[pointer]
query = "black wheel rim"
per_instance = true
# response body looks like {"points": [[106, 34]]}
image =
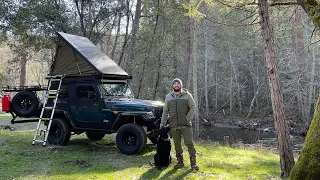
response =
{"points": [[55, 132], [25, 103], [129, 139]]}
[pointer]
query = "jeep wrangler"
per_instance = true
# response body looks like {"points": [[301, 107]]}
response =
{"points": [[98, 103]]}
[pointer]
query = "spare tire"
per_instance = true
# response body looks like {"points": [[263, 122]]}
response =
{"points": [[25, 104]]}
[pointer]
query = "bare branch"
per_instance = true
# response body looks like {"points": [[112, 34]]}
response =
{"points": [[284, 4], [234, 7], [231, 24]]}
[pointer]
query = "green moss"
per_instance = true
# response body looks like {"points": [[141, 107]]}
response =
{"points": [[308, 165], [313, 10]]}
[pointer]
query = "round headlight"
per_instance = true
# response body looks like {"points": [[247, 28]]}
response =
{"points": [[149, 108]]}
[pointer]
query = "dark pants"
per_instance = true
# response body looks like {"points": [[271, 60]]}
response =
{"points": [[187, 135]]}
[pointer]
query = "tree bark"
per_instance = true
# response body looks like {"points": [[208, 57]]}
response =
{"points": [[252, 102], [109, 36], [216, 85], [308, 165], [311, 85], [188, 53], [231, 91], [80, 9], [23, 73], [149, 50], [195, 79], [114, 47], [135, 29], [206, 72], [302, 65], [234, 72], [124, 45], [142, 76], [281, 125], [311, 7], [157, 76]]}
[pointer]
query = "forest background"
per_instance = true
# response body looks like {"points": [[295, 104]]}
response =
{"points": [[216, 51]]}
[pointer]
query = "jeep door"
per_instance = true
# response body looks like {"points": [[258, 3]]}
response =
{"points": [[86, 106]]}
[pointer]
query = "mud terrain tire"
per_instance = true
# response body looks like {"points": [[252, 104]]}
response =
{"points": [[25, 104], [59, 132], [131, 138]]}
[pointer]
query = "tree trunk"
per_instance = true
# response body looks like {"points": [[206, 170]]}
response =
{"points": [[109, 39], [216, 85], [195, 79], [149, 52], [142, 76], [311, 85], [135, 29], [308, 165], [257, 84], [114, 47], [231, 92], [234, 72], [157, 76], [302, 64], [80, 9], [23, 74], [206, 72], [281, 125], [124, 45], [188, 53], [89, 20], [252, 102], [296, 68]]}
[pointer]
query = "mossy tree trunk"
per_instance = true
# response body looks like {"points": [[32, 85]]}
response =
{"points": [[308, 165]]}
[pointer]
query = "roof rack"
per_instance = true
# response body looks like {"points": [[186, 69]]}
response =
{"points": [[23, 88]]}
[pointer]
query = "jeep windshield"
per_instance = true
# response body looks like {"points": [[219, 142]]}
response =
{"points": [[116, 89]]}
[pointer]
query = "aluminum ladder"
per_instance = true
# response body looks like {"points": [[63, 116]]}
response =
{"points": [[50, 94]]}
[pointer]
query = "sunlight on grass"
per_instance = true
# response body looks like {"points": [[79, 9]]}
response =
{"points": [[85, 159], [5, 115]]}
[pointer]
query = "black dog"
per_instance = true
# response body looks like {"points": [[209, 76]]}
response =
{"points": [[162, 158]]}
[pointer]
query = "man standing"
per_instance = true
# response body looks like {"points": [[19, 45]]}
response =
{"points": [[178, 111]]}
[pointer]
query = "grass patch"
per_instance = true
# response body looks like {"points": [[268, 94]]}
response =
{"points": [[85, 159]]}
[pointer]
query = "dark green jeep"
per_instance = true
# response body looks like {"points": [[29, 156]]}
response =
{"points": [[95, 98]]}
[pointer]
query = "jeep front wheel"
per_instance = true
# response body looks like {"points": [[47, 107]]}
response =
{"points": [[131, 138], [59, 132], [95, 135]]}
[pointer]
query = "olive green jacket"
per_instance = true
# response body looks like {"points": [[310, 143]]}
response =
{"points": [[178, 110]]}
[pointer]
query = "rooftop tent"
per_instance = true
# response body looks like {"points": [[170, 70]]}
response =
{"points": [[78, 56]]}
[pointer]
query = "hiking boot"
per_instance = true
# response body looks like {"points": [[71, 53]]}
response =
{"points": [[193, 163], [180, 162]]}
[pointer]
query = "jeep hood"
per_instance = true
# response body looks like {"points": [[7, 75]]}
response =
{"points": [[131, 104]]}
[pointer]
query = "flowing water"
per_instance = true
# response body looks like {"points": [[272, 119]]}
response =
{"points": [[246, 136]]}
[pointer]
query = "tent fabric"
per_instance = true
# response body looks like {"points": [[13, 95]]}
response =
{"points": [[78, 56]]}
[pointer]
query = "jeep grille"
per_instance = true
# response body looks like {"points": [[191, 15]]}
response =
{"points": [[157, 111]]}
